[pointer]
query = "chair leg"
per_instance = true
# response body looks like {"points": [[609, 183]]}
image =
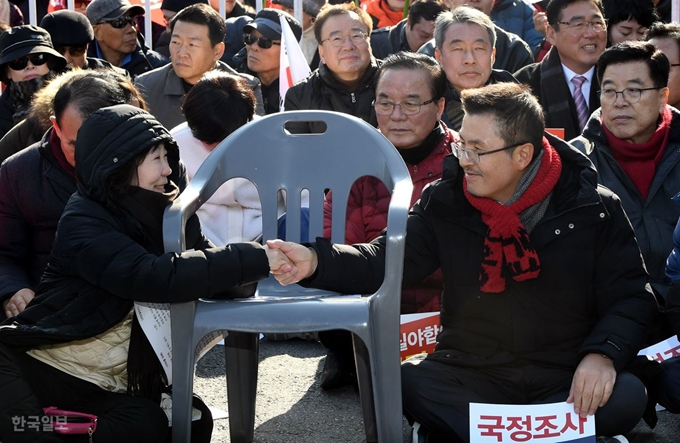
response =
{"points": [[182, 372], [241, 353], [387, 388], [363, 368]]}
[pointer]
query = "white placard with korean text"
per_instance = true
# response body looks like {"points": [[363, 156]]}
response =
{"points": [[663, 350], [549, 423], [154, 318]]}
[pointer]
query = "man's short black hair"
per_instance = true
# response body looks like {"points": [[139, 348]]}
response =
{"points": [[202, 14], [635, 51], [554, 10], [427, 10], [417, 61], [217, 105], [515, 110]]}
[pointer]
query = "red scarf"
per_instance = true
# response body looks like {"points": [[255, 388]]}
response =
{"points": [[507, 248], [639, 162], [55, 146]]}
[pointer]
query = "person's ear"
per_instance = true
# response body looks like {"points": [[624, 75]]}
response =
{"points": [[55, 125], [522, 155], [218, 51], [97, 31], [441, 105], [663, 99], [550, 34], [321, 55]]}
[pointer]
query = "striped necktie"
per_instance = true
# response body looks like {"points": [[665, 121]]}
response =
{"points": [[580, 100]]}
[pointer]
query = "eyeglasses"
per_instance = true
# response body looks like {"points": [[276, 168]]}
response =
{"points": [[407, 108], [75, 51], [38, 59], [582, 25], [458, 149], [262, 42], [121, 22], [631, 95], [357, 38], [675, 64]]}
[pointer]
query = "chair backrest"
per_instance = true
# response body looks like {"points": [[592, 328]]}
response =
{"points": [[275, 160]]}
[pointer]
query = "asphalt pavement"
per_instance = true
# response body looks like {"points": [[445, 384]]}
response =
{"points": [[291, 408]]}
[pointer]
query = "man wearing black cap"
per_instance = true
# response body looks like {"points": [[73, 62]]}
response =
{"points": [[261, 56], [116, 39], [196, 46], [27, 61], [71, 34]]}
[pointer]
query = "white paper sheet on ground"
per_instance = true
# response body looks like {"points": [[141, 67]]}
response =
{"points": [[166, 406], [154, 318], [549, 423], [218, 413]]}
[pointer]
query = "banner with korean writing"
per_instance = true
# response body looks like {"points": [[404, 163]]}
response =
{"points": [[549, 423], [418, 333]]}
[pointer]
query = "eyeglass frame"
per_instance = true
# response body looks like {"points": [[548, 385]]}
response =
{"points": [[260, 41], [74, 50], [121, 22], [44, 58], [455, 147], [622, 92], [394, 106], [342, 38], [586, 23]]}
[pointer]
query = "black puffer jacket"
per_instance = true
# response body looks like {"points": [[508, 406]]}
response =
{"points": [[591, 295], [389, 40], [322, 91], [100, 262], [33, 192], [653, 218]]}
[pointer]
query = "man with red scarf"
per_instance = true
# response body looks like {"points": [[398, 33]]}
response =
{"points": [[545, 293], [634, 142]]}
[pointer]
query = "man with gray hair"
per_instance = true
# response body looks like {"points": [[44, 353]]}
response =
{"points": [[465, 42], [512, 53], [115, 37]]}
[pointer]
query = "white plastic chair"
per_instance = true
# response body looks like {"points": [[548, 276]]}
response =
{"points": [[273, 159]]}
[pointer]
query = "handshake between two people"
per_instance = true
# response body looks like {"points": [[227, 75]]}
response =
{"points": [[290, 262]]}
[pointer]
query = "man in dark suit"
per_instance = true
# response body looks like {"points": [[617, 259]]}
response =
{"points": [[565, 81]]}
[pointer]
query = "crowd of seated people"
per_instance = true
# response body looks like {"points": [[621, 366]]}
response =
{"points": [[557, 120]]}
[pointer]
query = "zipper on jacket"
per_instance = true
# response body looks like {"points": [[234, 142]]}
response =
{"points": [[354, 99]]}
